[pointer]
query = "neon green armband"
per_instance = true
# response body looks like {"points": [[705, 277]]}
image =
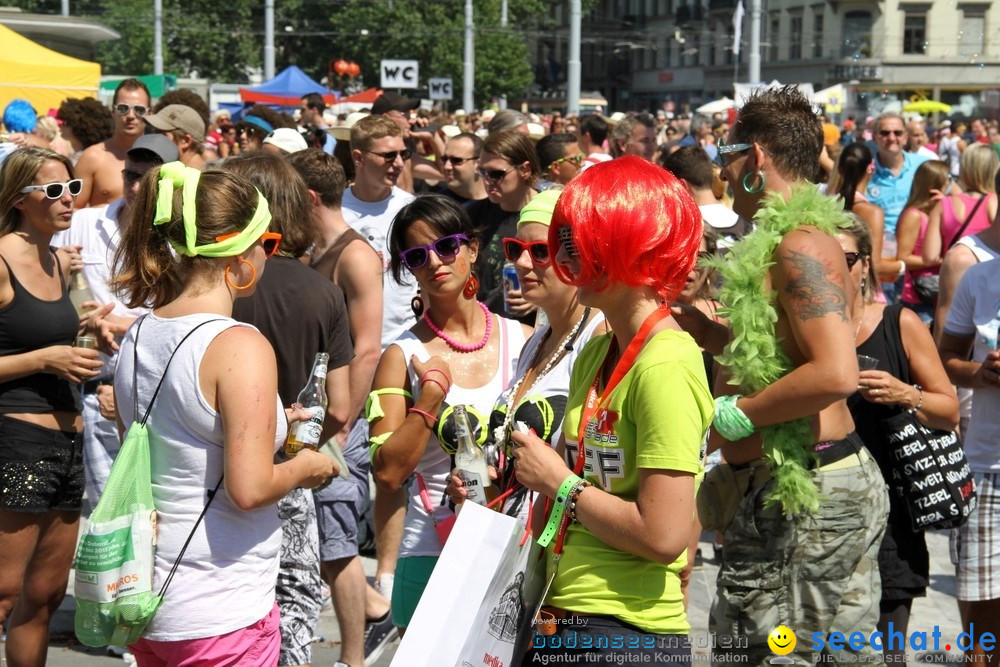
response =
{"points": [[377, 441], [373, 408]]}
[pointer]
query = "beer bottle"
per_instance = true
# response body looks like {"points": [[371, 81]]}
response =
{"points": [[79, 292], [313, 400], [471, 461]]}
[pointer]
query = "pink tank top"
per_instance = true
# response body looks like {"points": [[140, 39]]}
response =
{"points": [[950, 224], [909, 294]]}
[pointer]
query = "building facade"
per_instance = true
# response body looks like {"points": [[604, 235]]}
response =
{"points": [[644, 54]]}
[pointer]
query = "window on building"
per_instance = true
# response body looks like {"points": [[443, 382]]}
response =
{"points": [[857, 35], [711, 42], [795, 38], [971, 39], [817, 40], [915, 33], [772, 35]]}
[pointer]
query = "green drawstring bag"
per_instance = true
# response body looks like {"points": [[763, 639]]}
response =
{"points": [[114, 559]]}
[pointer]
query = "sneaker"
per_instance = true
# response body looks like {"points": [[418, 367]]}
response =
{"points": [[378, 635]]}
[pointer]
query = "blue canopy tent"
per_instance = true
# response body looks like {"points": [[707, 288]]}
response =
{"points": [[286, 89]]}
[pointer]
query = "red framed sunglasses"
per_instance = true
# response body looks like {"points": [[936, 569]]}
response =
{"points": [[270, 241], [538, 250]]}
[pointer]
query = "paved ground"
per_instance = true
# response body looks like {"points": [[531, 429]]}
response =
{"points": [[938, 608]]}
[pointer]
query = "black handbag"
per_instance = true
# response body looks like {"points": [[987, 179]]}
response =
{"points": [[927, 287], [929, 469]]}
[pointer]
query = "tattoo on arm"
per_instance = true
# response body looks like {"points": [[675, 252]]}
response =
{"points": [[811, 289]]}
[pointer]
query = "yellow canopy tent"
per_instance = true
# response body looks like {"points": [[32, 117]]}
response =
{"points": [[45, 78]]}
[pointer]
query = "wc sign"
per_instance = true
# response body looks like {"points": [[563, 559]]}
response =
{"points": [[400, 73], [439, 89]]}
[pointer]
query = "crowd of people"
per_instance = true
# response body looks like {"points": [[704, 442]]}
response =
{"points": [[649, 296]]}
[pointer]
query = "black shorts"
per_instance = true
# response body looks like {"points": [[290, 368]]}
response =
{"points": [[41, 469]]}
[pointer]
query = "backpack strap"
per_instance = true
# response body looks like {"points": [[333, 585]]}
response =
{"points": [[166, 368], [145, 417]]}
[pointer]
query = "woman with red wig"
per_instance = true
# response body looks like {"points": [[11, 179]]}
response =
{"points": [[626, 234]]}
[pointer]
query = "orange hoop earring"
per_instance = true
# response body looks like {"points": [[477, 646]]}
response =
{"points": [[253, 277]]}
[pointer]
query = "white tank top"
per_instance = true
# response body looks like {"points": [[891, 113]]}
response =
{"points": [[983, 253], [225, 581], [419, 536]]}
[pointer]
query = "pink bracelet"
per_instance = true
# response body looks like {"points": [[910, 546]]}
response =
{"points": [[443, 388], [435, 370], [425, 414]]}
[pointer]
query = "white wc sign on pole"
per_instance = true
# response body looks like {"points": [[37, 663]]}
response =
{"points": [[440, 88], [400, 73]]}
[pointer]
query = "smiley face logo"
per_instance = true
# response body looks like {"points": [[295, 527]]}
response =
{"points": [[781, 641]]}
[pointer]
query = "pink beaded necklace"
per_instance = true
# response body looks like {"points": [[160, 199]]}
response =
{"points": [[459, 347]]}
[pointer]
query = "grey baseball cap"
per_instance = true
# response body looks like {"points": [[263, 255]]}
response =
{"points": [[157, 144]]}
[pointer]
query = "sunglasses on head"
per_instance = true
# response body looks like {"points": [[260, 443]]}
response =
{"points": [[886, 133], [124, 109], [852, 259], [269, 241], [457, 161], [445, 247], [56, 190], [390, 156], [538, 250]]}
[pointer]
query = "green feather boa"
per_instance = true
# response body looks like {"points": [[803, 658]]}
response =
{"points": [[754, 357]]}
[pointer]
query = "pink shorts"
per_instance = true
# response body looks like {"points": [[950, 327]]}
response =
{"points": [[256, 645]]}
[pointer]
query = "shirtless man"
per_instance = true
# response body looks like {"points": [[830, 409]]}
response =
{"points": [[100, 166], [781, 563]]}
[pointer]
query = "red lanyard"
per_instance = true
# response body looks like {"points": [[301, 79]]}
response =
{"points": [[594, 401], [623, 366]]}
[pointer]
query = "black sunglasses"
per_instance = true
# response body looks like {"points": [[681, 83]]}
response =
{"points": [[246, 129], [457, 161], [391, 156], [445, 247], [130, 176], [886, 133], [852, 259], [539, 250]]}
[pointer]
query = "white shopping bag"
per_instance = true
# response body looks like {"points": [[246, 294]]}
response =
{"points": [[449, 611]]}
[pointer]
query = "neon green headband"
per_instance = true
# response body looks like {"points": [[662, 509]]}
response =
{"points": [[174, 174]]}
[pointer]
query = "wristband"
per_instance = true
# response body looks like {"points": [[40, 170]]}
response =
{"points": [[574, 496], [558, 507], [427, 379], [902, 269], [435, 370], [920, 400], [425, 414], [730, 421]]}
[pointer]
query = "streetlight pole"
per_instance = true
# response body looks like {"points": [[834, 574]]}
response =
{"points": [[573, 71], [754, 59], [503, 24], [268, 40], [65, 7], [469, 70], [157, 36]]}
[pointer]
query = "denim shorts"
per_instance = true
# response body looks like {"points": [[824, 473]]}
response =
{"points": [[41, 469]]}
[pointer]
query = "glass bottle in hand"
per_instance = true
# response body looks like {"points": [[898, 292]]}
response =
{"points": [[470, 461], [80, 293], [313, 400]]}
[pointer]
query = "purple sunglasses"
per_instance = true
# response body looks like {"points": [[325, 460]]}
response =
{"points": [[445, 247]]}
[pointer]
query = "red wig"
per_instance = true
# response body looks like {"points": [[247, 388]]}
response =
{"points": [[633, 223]]}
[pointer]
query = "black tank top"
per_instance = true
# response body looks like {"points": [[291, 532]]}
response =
{"points": [[26, 324]]}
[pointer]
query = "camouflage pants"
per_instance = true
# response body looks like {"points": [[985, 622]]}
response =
{"points": [[813, 574]]}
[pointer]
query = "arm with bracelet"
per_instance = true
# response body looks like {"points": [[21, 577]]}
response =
{"points": [[400, 426]]}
